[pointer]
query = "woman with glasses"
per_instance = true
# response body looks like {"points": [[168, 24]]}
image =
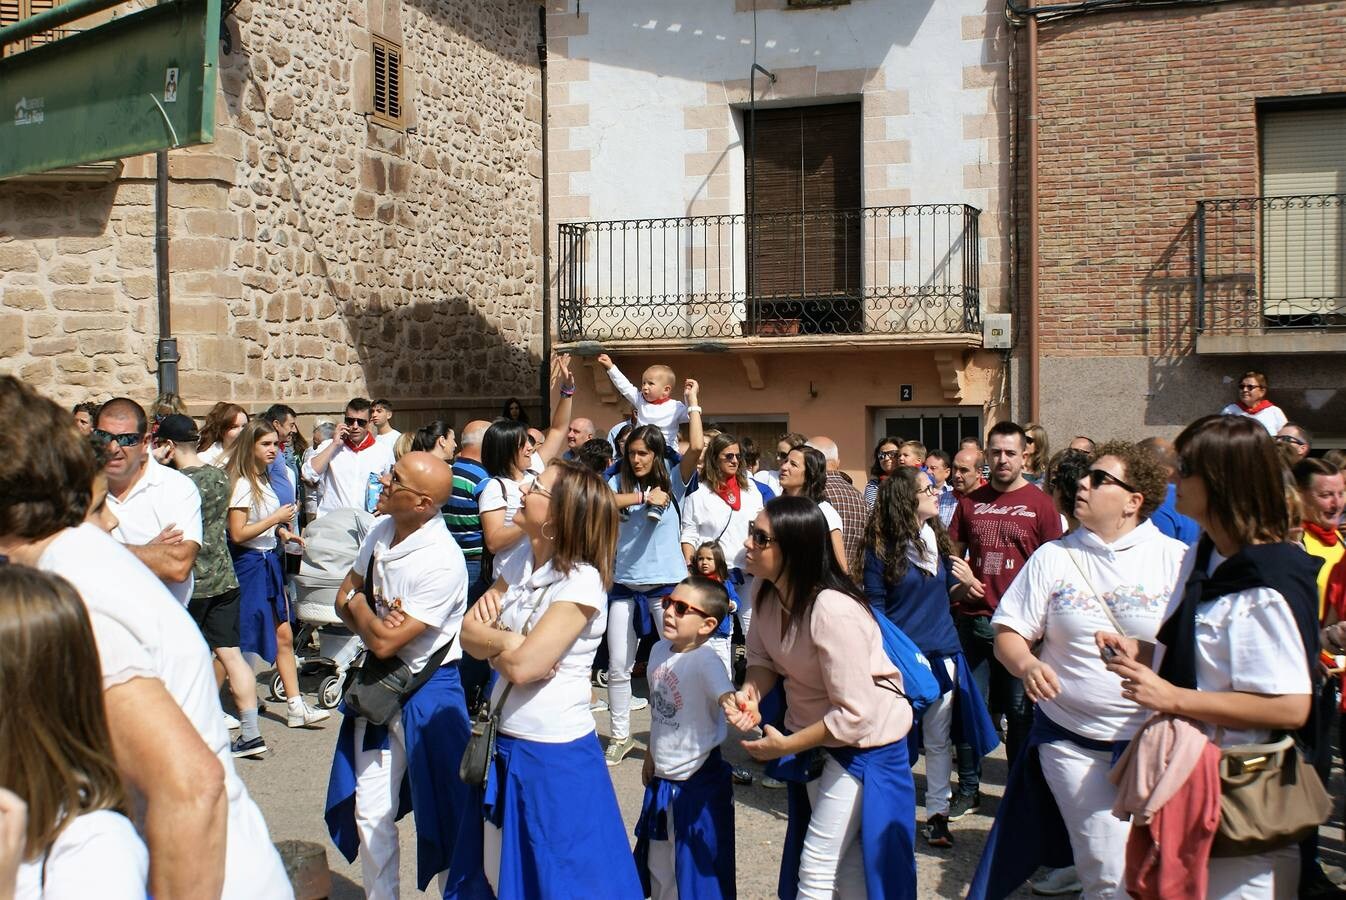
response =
{"points": [[1241, 632], [1116, 571], [550, 825], [852, 800], [908, 570], [721, 510], [804, 474], [886, 462], [649, 559], [1252, 402]]}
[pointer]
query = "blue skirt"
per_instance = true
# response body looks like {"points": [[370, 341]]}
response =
{"points": [[262, 606], [435, 726], [703, 829], [563, 835]]}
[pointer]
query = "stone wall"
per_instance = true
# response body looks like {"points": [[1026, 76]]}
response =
{"points": [[315, 254]]}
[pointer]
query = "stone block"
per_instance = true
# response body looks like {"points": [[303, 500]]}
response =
{"points": [[202, 167], [209, 386], [190, 254], [194, 316], [95, 299], [221, 354], [92, 343], [140, 287], [39, 324], [52, 346], [70, 246], [11, 335], [18, 258], [69, 272], [74, 322], [24, 298]]}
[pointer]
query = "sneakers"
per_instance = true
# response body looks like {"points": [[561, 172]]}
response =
{"points": [[962, 804], [304, 716], [599, 705], [1057, 882], [618, 749], [231, 723], [937, 831], [741, 775], [774, 784], [639, 703], [241, 748]]}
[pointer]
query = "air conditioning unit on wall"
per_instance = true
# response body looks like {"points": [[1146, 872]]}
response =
{"points": [[995, 331]]}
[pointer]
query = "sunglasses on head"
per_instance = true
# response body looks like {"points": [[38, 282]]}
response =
{"points": [[129, 439], [1099, 477], [354, 420], [760, 538], [681, 608]]}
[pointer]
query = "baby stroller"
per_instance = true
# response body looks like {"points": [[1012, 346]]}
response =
{"points": [[332, 540]]}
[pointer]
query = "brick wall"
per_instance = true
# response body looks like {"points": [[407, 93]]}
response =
{"points": [[1142, 113]]}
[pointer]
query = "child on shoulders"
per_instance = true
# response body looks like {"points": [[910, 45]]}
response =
{"points": [[654, 403], [685, 833]]}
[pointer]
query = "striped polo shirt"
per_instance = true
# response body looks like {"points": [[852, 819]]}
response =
{"points": [[460, 513]]}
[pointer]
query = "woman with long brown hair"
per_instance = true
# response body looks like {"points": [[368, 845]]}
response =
{"points": [[220, 432], [55, 748], [1036, 453], [550, 824]]}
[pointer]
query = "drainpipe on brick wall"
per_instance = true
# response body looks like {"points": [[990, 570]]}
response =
{"points": [[1034, 375], [168, 345], [545, 385]]}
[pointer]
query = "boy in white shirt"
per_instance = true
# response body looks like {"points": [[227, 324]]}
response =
{"points": [[685, 834], [654, 403]]}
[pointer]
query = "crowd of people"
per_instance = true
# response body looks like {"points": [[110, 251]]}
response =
{"points": [[1128, 617]]}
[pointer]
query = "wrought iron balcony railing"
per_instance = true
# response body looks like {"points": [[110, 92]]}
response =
{"points": [[890, 270], [1267, 263]]}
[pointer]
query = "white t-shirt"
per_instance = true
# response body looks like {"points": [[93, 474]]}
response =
{"points": [[346, 477], [507, 494], [424, 576], [770, 478], [390, 438], [161, 497], [154, 637], [666, 416], [1271, 418], [1246, 641], [97, 855], [831, 515], [213, 455], [554, 710], [1137, 575], [686, 722], [705, 517], [242, 497]]}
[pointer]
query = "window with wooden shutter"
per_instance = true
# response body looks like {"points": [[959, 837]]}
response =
{"points": [[12, 11], [387, 100]]}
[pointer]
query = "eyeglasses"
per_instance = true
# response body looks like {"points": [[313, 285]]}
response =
{"points": [[535, 488], [782, 456], [730, 457], [681, 608], [129, 439], [1291, 439], [760, 538], [1097, 478], [395, 483], [887, 454], [355, 421], [929, 490], [1250, 387]]}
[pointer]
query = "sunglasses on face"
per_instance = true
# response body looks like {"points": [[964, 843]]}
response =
{"points": [[129, 439], [355, 422], [681, 608], [1291, 439], [782, 456], [1098, 477], [887, 454], [730, 457], [1250, 387], [760, 538], [396, 483]]}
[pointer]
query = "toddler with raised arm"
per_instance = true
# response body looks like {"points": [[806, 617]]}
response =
{"points": [[654, 403]]}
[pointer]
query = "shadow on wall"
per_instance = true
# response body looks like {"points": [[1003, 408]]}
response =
{"points": [[34, 211]]}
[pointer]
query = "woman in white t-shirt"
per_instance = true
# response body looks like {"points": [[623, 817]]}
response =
{"points": [[56, 752], [256, 520], [1116, 567], [224, 423], [551, 826], [1241, 631], [803, 473]]}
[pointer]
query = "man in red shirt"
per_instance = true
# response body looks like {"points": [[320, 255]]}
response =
{"points": [[999, 524]]}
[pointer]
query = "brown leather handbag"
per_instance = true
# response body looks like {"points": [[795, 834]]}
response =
{"points": [[1269, 798]]}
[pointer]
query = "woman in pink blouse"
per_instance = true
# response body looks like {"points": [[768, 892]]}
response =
{"points": [[852, 801]]}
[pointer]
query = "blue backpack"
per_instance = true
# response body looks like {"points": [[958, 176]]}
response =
{"points": [[919, 686]]}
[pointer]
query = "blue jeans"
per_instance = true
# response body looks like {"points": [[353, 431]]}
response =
{"points": [[1004, 696]]}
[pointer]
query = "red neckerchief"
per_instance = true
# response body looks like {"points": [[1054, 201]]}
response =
{"points": [[728, 492], [660, 400], [1256, 408], [364, 445], [1328, 537]]}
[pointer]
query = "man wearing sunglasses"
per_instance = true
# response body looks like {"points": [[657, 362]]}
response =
{"points": [[343, 464], [1297, 438], [158, 509]]}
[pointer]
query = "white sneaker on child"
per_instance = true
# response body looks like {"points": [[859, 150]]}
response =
{"points": [[301, 715]]}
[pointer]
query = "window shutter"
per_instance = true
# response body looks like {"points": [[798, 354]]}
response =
{"points": [[387, 81]]}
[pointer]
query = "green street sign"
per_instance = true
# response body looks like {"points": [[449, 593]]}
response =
{"points": [[139, 83]]}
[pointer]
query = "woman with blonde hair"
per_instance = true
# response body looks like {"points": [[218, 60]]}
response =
{"points": [[550, 824], [256, 520], [220, 433], [1036, 453], [55, 748]]}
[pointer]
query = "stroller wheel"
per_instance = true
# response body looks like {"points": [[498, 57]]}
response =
{"points": [[277, 689], [329, 692]]}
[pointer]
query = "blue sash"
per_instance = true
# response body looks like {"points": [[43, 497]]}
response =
{"points": [[435, 726], [887, 820], [563, 835], [703, 829], [261, 589], [643, 621], [1033, 832], [972, 723]]}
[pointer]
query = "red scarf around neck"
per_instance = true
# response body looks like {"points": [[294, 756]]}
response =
{"points": [[728, 492], [364, 445], [661, 400], [1256, 408], [1328, 537]]}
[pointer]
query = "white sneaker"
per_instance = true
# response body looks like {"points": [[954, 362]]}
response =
{"points": [[639, 703], [231, 723], [304, 715], [1057, 882], [599, 705]]}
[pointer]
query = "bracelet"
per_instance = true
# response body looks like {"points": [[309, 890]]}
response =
{"points": [[567, 392], [694, 409]]}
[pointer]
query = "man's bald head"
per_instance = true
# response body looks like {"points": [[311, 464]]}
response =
{"points": [[429, 475], [581, 431], [473, 433], [828, 448], [1162, 451]]}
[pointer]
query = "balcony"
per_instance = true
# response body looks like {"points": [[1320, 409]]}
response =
{"points": [[1271, 274], [837, 276]]}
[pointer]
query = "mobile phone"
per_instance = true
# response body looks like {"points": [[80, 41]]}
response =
{"points": [[1109, 653], [755, 733]]}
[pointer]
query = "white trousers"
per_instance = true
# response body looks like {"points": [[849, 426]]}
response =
{"points": [[723, 649], [622, 645], [937, 738], [663, 873], [745, 602], [1078, 778], [832, 864], [1266, 876]]}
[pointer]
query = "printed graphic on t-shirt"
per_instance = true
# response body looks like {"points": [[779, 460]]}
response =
{"points": [[665, 697], [1125, 601]]}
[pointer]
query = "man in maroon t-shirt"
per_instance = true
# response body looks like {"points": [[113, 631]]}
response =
{"points": [[1000, 524]]}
